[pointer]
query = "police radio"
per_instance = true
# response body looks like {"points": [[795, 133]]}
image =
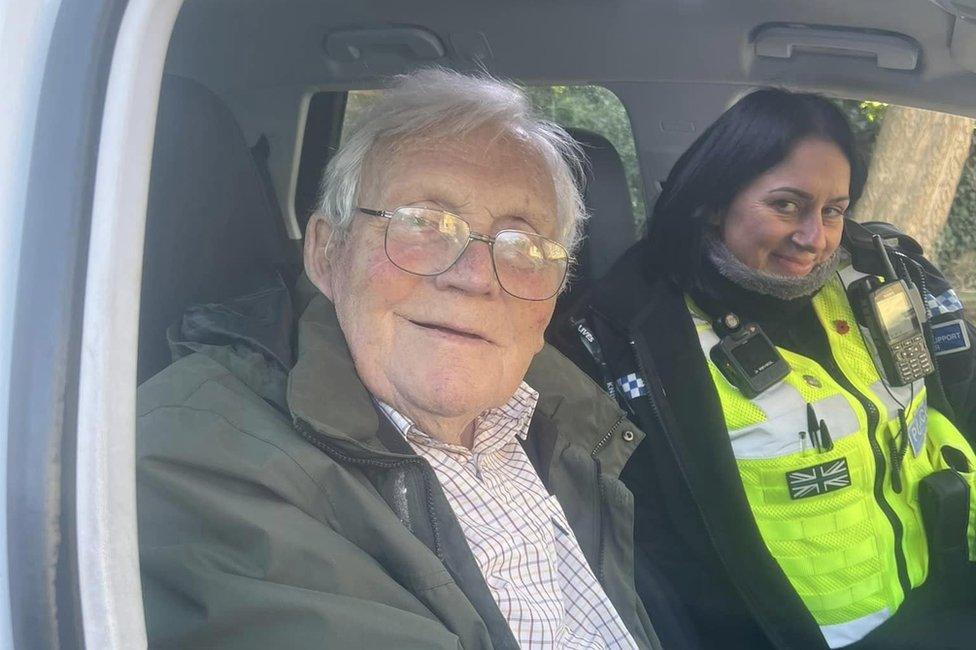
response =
{"points": [[891, 313], [746, 356]]}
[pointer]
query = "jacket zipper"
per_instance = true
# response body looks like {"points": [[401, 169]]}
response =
{"points": [[601, 551], [309, 432], [650, 398], [880, 468], [606, 438]]}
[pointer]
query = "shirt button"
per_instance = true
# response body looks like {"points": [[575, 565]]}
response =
{"points": [[628, 435]]}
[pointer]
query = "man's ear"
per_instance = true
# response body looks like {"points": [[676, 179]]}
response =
{"points": [[318, 253]]}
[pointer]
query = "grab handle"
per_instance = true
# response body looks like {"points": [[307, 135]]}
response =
{"points": [[891, 51], [410, 42]]}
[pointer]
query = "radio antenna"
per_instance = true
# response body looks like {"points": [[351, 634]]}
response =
{"points": [[883, 253]]}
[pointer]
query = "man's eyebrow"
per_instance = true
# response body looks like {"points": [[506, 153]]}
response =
{"points": [[537, 222], [440, 200], [527, 220]]}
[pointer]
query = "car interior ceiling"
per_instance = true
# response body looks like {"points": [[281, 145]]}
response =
{"points": [[239, 75]]}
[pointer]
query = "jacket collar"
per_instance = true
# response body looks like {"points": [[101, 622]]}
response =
{"points": [[324, 389], [259, 321], [583, 414]]}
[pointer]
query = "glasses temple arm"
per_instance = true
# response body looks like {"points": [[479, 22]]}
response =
{"points": [[376, 213]]}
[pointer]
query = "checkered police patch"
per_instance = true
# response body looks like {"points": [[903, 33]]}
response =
{"points": [[631, 386], [946, 303], [819, 479]]}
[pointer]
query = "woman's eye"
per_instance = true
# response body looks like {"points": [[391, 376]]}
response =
{"points": [[833, 212], [784, 206]]}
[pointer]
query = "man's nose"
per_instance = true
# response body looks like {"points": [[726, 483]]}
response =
{"points": [[473, 272], [810, 235]]}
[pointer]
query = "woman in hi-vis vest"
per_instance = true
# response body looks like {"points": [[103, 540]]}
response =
{"points": [[806, 387]]}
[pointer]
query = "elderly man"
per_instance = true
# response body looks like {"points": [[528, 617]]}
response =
{"points": [[410, 486]]}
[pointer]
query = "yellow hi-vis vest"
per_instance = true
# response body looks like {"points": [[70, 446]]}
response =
{"points": [[849, 543]]}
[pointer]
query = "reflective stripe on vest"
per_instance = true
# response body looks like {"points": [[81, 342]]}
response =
{"points": [[837, 636], [830, 536]]}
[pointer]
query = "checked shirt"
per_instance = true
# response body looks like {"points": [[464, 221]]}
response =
{"points": [[519, 534]]}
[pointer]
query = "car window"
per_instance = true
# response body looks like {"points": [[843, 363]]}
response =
{"points": [[922, 178], [593, 108]]}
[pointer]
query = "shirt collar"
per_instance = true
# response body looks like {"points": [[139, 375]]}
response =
{"points": [[493, 429]]}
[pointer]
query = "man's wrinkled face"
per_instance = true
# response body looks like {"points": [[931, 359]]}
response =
{"points": [[453, 344]]}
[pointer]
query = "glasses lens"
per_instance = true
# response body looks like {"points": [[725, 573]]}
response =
{"points": [[424, 241], [529, 266]]}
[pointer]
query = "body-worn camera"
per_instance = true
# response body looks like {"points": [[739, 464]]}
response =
{"points": [[747, 357], [890, 312]]}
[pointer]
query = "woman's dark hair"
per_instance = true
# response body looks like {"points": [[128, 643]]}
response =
{"points": [[750, 138]]}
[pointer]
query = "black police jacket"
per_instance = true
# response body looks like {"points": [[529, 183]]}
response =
{"points": [[694, 524]]}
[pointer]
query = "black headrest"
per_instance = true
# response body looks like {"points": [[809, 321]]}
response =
{"points": [[211, 220], [610, 230], [607, 196]]}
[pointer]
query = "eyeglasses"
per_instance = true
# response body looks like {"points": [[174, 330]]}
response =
{"points": [[427, 242]]}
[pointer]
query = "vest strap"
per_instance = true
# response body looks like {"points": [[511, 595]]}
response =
{"points": [[808, 527], [812, 565], [855, 592]]}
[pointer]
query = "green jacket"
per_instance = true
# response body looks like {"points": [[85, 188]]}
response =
{"points": [[277, 509]]}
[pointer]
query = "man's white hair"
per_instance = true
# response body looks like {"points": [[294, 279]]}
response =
{"points": [[439, 103]]}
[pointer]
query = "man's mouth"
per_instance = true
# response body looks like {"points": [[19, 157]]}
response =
{"points": [[443, 328]]}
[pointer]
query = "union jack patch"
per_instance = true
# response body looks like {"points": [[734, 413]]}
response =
{"points": [[819, 479]]}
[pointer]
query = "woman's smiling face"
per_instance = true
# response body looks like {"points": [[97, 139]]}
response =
{"points": [[790, 218]]}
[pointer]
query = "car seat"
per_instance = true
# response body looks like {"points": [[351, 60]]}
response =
{"points": [[213, 225], [610, 229]]}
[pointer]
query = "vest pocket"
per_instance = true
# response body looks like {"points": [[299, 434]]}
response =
{"points": [[947, 498], [946, 504]]}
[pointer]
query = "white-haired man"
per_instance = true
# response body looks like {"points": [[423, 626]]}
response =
{"points": [[415, 484]]}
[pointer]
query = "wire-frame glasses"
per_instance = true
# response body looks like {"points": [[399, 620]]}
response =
{"points": [[427, 241]]}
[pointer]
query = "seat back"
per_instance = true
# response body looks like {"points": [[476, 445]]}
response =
{"points": [[212, 224], [611, 229]]}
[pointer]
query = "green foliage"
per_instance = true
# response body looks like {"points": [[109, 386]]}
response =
{"points": [[872, 111], [596, 109], [955, 250], [865, 118], [357, 101]]}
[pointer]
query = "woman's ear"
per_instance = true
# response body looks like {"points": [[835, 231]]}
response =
{"points": [[713, 218], [318, 253], [708, 216]]}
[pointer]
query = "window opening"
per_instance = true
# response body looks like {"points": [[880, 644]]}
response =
{"points": [[922, 178]]}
